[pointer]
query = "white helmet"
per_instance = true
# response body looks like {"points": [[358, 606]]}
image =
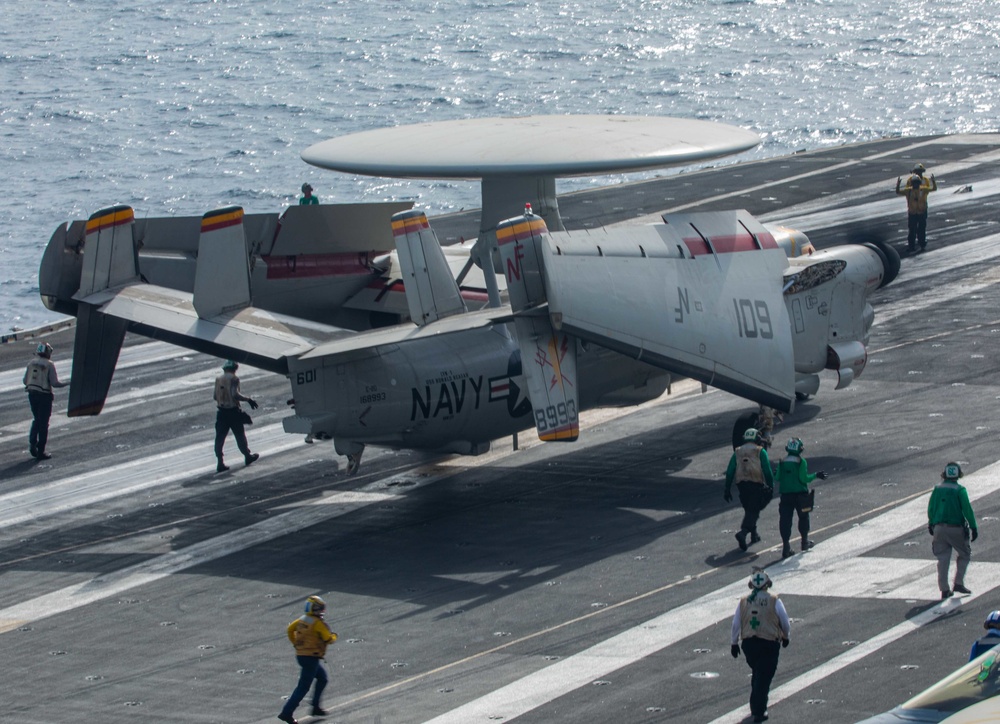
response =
{"points": [[751, 434], [44, 350], [952, 471], [759, 580]]}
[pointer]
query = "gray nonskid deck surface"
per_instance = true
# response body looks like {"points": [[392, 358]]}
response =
{"points": [[136, 582]]}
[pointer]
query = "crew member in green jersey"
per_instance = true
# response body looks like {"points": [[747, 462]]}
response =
{"points": [[953, 524]]}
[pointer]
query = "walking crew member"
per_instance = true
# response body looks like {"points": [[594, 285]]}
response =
{"points": [[310, 635], [39, 379], [916, 191], [751, 469], [230, 416], [793, 484], [950, 520], [992, 637], [762, 624]]}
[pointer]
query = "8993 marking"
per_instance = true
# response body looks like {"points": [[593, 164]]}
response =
{"points": [[555, 416]]}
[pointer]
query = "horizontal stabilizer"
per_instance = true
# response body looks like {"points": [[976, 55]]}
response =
{"points": [[255, 336], [109, 252], [431, 291], [95, 353], [222, 275]]}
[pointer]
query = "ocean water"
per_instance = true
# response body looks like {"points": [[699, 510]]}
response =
{"points": [[177, 108]]}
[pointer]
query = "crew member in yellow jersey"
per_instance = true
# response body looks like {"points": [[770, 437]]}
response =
{"points": [[762, 624], [310, 635], [916, 190]]}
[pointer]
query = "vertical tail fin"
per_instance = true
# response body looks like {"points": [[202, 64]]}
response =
{"points": [[109, 260], [431, 290], [548, 356], [222, 275]]}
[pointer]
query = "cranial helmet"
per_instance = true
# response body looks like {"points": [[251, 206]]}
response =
{"points": [[759, 580], [306, 187], [794, 446], [315, 606], [230, 365], [952, 471], [919, 168], [914, 181], [751, 434], [44, 350], [993, 620]]}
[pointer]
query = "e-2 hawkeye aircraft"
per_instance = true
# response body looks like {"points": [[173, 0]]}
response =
{"points": [[596, 317]]}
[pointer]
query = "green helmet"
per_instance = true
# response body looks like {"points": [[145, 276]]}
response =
{"points": [[794, 446], [229, 365], [952, 471], [751, 434]]}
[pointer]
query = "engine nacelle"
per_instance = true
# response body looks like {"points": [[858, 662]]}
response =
{"points": [[827, 299]]}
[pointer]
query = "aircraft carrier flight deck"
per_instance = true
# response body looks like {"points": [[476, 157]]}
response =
{"points": [[592, 581]]}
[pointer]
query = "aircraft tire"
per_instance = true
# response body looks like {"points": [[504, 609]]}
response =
{"points": [[743, 423]]}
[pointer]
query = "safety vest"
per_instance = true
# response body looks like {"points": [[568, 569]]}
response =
{"points": [[748, 463], [758, 617], [224, 386], [36, 377], [310, 635]]}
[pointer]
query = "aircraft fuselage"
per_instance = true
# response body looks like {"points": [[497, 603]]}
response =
{"points": [[466, 388]]}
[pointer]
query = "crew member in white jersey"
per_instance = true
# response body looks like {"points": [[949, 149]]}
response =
{"points": [[39, 379], [762, 624]]}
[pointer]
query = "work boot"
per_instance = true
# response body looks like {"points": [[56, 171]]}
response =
{"points": [[754, 538], [42, 455], [741, 540], [319, 711], [34, 451], [288, 719], [786, 551], [960, 588], [221, 467], [807, 544], [946, 594], [251, 458]]}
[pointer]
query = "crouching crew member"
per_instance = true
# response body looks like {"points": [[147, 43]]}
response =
{"points": [[310, 635], [762, 624], [793, 484], [951, 521], [992, 637]]}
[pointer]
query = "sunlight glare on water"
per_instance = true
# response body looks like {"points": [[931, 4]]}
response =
{"points": [[178, 108]]}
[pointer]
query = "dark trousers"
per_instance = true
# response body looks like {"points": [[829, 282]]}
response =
{"points": [[793, 503], [916, 226], [230, 419], [762, 657], [312, 668], [753, 498], [41, 411]]}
